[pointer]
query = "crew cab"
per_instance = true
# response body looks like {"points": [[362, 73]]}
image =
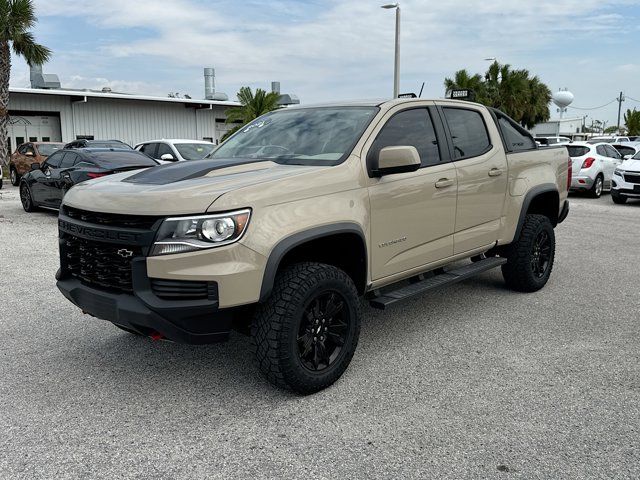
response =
{"points": [[304, 212]]}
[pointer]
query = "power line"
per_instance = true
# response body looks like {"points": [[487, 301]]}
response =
{"points": [[633, 99], [595, 108]]}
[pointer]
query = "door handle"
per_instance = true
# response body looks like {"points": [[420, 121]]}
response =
{"points": [[444, 182], [495, 172]]}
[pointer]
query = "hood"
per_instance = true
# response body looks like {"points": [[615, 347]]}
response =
{"points": [[631, 165], [176, 188]]}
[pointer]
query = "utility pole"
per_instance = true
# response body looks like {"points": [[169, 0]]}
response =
{"points": [[620, 99]]}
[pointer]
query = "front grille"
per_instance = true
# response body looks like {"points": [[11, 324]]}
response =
{"points": [[111, 219], [183, 289], [632, 178], [99, 264]]}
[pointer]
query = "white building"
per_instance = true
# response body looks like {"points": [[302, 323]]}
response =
{"points": [[63, 115], [563, 127]]}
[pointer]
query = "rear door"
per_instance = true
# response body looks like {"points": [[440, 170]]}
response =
{"points": [[412, 214], [481, 167]]}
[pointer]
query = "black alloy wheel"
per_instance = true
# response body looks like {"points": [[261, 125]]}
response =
{"points": [[541, 254], [323, 330], [25, 198]]}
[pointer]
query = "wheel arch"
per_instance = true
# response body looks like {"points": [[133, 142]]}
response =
{"points": [[319, 244], [542, 199]]}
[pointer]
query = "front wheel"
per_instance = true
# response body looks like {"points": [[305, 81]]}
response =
{"points": [[306, 333], [26, 199], [530, 257]]}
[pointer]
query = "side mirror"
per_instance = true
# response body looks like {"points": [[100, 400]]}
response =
{"points": [[167, 157], [400, 159], [627, 157], [35, 166]]}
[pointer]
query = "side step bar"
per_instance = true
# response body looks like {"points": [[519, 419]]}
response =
{"points": [[438, 280]]}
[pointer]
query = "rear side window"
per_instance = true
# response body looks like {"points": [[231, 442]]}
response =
{"points": [[410, 128], [601, 151], [516, 138], [468, 132], [577, 150]]}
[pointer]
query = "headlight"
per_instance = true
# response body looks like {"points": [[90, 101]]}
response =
{"points": [[188, 234], [618, 172]]}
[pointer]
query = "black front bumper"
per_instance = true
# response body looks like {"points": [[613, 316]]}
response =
{"points": [[183, 321]]}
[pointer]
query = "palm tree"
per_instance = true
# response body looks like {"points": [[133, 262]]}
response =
{"points": [[632, 121], [16, 18], [252, 107], [463, 80]]}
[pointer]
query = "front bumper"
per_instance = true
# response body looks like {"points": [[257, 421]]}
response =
{"points": [[183, 321], [624, 189]]}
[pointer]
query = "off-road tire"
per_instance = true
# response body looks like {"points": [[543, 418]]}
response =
{"points": [[27, 199], [277, 321], [596, 191], [14, 177], [618, 199], [518, 272]]}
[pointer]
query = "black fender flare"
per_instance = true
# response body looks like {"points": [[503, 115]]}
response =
{"points": [[528, 198], [289, 243]]}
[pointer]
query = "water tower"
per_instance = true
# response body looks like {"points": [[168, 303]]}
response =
{"points": [[562, 98]]}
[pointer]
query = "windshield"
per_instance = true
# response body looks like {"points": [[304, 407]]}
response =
{"points": [[194, 151], [306, 136], [47, 149]]}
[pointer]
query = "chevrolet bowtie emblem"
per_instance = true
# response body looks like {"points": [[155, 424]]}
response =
{"points": [[124, 253]]}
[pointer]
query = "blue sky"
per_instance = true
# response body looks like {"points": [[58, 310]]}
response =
{"points": [[333, 50]]}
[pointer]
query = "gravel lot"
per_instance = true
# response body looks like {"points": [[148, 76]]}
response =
{"points": [[472, 381]]}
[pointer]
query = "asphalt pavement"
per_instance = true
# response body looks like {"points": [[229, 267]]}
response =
{"points": [[471, 381]]}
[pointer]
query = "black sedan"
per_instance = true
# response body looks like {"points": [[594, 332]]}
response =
{"points": [[45, 185]]}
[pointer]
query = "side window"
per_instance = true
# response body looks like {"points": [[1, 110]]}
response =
{"points": [[68, 160], [149, 149], [601, 151], [164, 148], [468, 132], [54, 160], [611, 152], [515, 137], [413, 128], [22, 149]]}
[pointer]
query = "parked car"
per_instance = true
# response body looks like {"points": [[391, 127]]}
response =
{"points": [[611, 139], [546, 141], [302, 212], [626, 180], [593, 166], [176, 150], [82, 143], [45, 185], [634, 139], [27, 154], [627, 149]]}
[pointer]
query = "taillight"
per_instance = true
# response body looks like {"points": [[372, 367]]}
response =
{"points": [[96, 174], [569, 173], [588, 162]]}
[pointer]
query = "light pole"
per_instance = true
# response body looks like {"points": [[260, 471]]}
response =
{"points": [[396, 63]]}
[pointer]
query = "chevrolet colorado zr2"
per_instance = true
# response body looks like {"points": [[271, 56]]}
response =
{"points": [[304, 212]]}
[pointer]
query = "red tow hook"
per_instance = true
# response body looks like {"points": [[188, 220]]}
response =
{"points": [[155, 336]]}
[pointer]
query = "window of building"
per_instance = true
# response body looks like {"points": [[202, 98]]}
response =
{"points": [[19, 140], [411, 128], [33, 139], [468, 132], [46, 139], [84, 137]]}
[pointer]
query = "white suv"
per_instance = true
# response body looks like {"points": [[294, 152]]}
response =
{"points": [[176, 150], [626, 180], [593, 166]]}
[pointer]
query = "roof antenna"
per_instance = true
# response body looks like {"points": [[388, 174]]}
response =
{"points": [[420, 94]]}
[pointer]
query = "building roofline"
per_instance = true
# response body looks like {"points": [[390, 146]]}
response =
{"points": [[120, 96]]}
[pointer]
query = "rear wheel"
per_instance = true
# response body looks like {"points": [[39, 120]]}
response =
{"points": [[14, 177], [26, 199], [598, 185], [619, 199], [306, 333], [530, 257]]}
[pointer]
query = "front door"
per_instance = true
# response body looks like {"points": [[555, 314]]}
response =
{"points": [[412, 214], [482, 176]]}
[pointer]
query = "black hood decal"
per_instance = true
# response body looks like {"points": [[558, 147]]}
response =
{"points": [[179, 171]]}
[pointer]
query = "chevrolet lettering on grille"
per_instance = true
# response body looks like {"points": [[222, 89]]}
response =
{"points": [[97, 233]]}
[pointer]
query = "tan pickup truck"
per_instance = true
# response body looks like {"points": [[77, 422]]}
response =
{"points": [[303, 213]]}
